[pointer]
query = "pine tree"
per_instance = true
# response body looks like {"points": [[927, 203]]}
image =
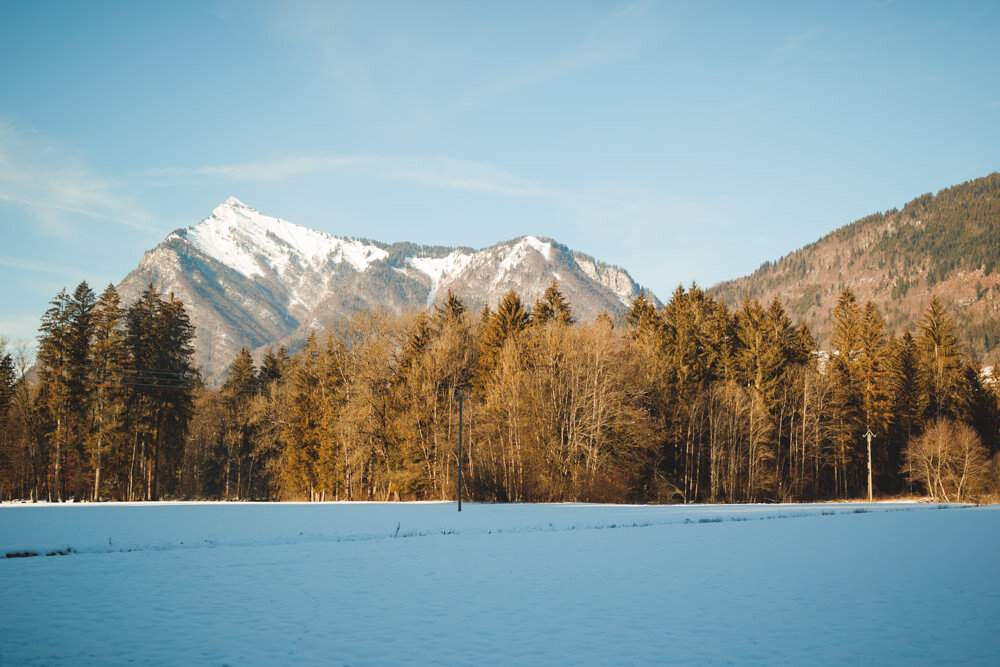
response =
{"points": [[417, 340], [301, 435], [847, 399], [907, 398], [241, 376], [8, 375], [977, 405], [874, 368], [552, 306], [240, 385], [56, 378], [272, 366], [452, 311], [940, 359], [642, 313], [106, 378], [510, 320], [159, 338], [873, 365]]}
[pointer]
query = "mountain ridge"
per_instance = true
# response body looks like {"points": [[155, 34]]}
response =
{"points": [[252, 280], [945, 244]]}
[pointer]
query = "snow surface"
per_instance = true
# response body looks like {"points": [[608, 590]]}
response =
{"points": [[245, 240], [440, 268], [394, 583], [515, 255]]}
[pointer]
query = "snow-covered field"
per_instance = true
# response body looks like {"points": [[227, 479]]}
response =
{"points": [[389, 583]]}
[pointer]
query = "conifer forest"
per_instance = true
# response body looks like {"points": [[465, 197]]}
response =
{"points": [[688, 402]]}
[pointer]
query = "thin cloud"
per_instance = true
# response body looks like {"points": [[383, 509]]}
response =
{"points": [[37, 175], [34, 265], [619, 37], [433, 171]]}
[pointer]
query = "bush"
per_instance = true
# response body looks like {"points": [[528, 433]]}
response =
{"points": [[950, 461]]}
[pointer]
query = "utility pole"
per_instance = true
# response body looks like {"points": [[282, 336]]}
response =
{"points": [[869, 435], [461, 396]]}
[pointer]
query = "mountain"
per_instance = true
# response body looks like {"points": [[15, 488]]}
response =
{"points": [[946, 244], [250, 280]]}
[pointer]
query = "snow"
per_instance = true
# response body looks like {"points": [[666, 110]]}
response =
{"points": [[515, 256], [439, 269], [246, 240], [541, 247], [418, 583]]}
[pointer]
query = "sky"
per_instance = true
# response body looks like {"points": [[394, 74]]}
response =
{"points": [[685, 141]]}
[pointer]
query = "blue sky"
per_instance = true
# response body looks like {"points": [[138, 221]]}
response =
{"points": [[683, 141]]}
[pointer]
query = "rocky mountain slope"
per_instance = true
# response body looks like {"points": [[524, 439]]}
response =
{"points": [[946, 244], [251, 280]]}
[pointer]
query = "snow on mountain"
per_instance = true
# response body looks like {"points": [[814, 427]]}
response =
{"points": [[240, 237], [252, 280]]}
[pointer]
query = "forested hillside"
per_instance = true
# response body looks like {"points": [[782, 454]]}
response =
{"points": [[945, 245]]}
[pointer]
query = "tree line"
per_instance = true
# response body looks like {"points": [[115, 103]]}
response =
{"points": [[688, 402], [104, 411]]}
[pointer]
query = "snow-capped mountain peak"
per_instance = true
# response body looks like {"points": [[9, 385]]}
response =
{"points": [[250, 242], [252, 280]]}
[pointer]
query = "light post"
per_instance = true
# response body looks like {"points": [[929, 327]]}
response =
{"points": [[461, 398], [869, 435]]}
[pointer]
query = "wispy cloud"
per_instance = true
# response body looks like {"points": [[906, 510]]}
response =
{"points": [[433, 171], [34, 265], [618, 219], [50, 182], [20, 331], [619, 37]]}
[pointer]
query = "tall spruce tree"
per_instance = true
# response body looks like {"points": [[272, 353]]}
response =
{"points": [[847, 390], [451, 311], [159, 338], [56, 379], [940, 360], [106, 377], [907, 399], [272, 366], [552, 306], [510, 319], [874, 367], [241, 383], [302, 432], [641, 314]]}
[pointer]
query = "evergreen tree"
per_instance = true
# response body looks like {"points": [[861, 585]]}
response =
{"points": [[874, 366], [272, 366], [451, 311], [106, 378], [238, 389], [56, 378], [907, 398], [873, 369], [847, 398], [302, 434], [940, 360], [8, 375], [510, 320], [162, 376], [241, 376], [552, 306], [642, 313], [417, 340], [977, 405]]}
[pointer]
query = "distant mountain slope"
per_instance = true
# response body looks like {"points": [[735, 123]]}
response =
{"points": [[251, 280], [946, 244]]}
